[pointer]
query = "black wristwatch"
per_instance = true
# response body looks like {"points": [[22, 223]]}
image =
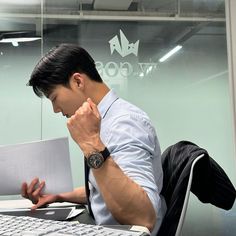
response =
{"points": [[96, 159]]}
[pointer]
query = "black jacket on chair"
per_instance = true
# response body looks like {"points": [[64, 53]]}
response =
{"points": [[210, 183]]}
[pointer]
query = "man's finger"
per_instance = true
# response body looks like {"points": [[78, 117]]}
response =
{"points": [[41, 203], [24, 190], [32, 185], [34, 207], [93, 107], [36, 193]]}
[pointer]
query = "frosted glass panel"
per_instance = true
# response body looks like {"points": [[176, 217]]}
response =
{"points": [[186, 96], [20, 119]]}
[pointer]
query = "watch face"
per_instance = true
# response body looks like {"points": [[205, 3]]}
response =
{"points": [[95, 160]]}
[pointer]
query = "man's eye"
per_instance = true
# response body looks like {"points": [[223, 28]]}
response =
{"points": [[53, 99]]}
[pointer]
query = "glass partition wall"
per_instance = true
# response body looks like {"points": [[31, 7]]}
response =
{"points": [[21, 111], [186, 95]]}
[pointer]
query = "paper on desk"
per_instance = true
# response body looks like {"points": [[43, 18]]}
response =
{"points": [[14, 204], [39, 209], [49, 160], [74, 213], [25, 203]]}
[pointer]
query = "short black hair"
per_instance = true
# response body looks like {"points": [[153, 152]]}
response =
{"points": [[57, 66]]}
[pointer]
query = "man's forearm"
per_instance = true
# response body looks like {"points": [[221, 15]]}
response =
{"points": [[127, 201], [78, 195]]}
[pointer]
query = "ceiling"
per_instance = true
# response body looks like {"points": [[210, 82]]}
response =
{"points": [[165, 21], [185, 7]]}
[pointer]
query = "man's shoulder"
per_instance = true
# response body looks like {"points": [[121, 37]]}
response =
{"points": [[126, 107]]}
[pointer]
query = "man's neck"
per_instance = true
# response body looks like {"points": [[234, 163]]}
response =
{"points": [[98, 91]]}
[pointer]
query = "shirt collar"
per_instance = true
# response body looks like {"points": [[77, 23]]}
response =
{"points": [[106, 102]]}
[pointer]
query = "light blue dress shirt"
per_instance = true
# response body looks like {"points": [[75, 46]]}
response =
{"points": [[131, 139]]}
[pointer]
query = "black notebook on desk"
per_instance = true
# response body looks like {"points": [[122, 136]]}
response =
{"points": [[44, 213]]}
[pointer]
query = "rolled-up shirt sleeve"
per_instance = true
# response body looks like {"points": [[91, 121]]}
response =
{"points": [[134, 147]]}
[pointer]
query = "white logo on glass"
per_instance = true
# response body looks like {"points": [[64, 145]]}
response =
{"points": [[122, 46]]}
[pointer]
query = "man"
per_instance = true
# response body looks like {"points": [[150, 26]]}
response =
{"points": [[116, 138]]}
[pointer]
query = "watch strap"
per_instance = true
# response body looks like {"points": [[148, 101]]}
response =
{"points": [[105, 153], [96, 159]]}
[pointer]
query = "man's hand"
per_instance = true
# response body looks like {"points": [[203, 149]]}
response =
{"points": [[84, 127], [33, 193]]}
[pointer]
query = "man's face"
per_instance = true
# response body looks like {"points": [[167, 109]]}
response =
{"points": [[66, 100]]}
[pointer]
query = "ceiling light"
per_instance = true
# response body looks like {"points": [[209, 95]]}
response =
{"points": [[15, 41], [170, 53], [16, 37]]}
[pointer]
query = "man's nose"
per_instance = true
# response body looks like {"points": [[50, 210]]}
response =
{"points": [[56, 109]]}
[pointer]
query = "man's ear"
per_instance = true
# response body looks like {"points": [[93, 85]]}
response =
{"points": [[77, 80]]}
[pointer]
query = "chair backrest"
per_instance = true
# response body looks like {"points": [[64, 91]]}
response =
{"points": [[178, 175], [187, 167], [186, 199]]}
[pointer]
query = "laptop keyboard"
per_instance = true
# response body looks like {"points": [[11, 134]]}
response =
{"points": [[29, 226]]}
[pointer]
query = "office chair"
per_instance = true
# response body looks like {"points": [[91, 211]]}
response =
{"points": [[186, 199], [187, 167]]}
